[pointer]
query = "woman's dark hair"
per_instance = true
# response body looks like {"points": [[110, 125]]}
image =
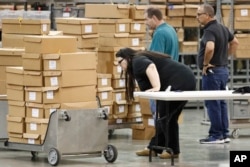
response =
{"points": [[128, 54]]}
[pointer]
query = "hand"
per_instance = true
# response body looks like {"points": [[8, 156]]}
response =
{"points": [[205, 68]]}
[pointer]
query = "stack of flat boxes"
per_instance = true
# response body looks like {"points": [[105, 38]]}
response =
{"points": [[84, 29]]}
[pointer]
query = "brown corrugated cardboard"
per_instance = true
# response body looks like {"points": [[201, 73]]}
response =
{"points": [[174, 21], [69, 78], [2, 72], [138, 26], [105, 93], [242, 11], [16, 108], [34, 94], [69, 94], [16, 137], [50, 44], [15, 92], [190, 22], [32, 138], [14, 75], [135, 40], [103, 80], [50, 108], [175, 10], [114, 40], [11, 56], [15, 124], [114, 25], [3, 89], [33, 78], [118, 82], [142, 133], [70, 61], [36, 125], [134, 108], [241, 23], [120, 109], [148, 121], [32, 61], [77, 25], [25, 26], [88, 41], [34, 110], [190, 10], [189, 46], [12, 40], [109, 106], [145, 107], [107, 11]]}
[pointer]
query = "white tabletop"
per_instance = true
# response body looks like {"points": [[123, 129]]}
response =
{"points": [[192, 95]]}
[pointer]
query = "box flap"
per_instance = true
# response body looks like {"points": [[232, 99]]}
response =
{"points": [[11, 51], [104, 89], [31, 136], [121, 102], [52, 73], [241, 7], [16, 70], [45, 89], [14, 119], [35, 39], [121, 6], [113, 21], [36, 120], [16, 135], [16, 103], [119, 90], [102, 75], [53, 106], [77, 21], [141, 7], [90, 36], [37, 73], [25, 21], [35, 105], [106, 103], [191, 6], [15, 87], [117, 76], [35, 89], [51, 56], [31, 56]]}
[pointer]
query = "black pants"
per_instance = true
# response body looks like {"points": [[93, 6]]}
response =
{"points": [[167, 111]]}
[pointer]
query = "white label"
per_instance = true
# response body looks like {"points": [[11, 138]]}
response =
{"points": [[119, 121], [35, 112], [137, 108], [52, 64], [44, 27], [135, 41], [54, 81], [33, 126], [88, 28], [121, 109], [244, 12], [122, 82], [137, 26], [118, 96], [151, 122], [119, 69], [122, 27], [138, 120], [104, 95], [31, 141], [50, 95], [32, 95], [104, 81]]}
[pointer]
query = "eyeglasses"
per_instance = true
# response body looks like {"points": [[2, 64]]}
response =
{"points": [[199, 14], [120, 61]]}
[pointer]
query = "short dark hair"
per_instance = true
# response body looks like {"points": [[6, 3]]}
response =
{"points": [[152, 11], [208, 9]]}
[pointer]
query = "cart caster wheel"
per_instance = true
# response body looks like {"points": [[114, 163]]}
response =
{"points": [[54, 157], [235, 133], [110, 154], [34, 154]]}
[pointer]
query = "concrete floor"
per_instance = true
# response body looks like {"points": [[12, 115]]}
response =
{"points": [[192, 154]]}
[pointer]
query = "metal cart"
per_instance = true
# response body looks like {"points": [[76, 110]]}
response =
{"points": [[72, 133]]}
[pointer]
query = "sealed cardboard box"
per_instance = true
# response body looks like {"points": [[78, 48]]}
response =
{"points": [[105, 93], [190, 22], [139, 132], [137, 11], [69, 61], [12, 40], [189, 46], [138, 27], [32, 138], [34, 110], [145, 106], [78, 26], [15, 92], [241, 23], [33, 94], [88, 41], [242, 11], [135, 40], [36, 125], [14, 75], [119, 95], [175, 21], [103, 80], [134, 108], [118, 82], [148, 121], [114, 25], [33, 78], [26, 26], [16, 108], [109, 106], [134, 118], [50, 44], [190, 10], [50, 108], [69, 78], [119, 11], [11, 56], [175, 10], [114, 40], [16, 137], [120, 109], [32, 61], [15, 124]]}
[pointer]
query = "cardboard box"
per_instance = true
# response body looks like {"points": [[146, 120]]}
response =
{"points": [[193, 1], [145, 106], [191, 10], [15, 92], [242, 11], [16, 137], [189, 46], [25, 26], [135, 40], [176, 1], [138, 27], [70, 61], [15, 124], [69, 78], [114, 40], [137, 12], [190, 22], [69, 94], [134, 117], [241, 23], [175, 21], [225, 10], [11, 56], [119, 95], [139, 132], [88, 41], [105, 93], [36, 125], [109, 106], [120, 109], [50, 108], [175, 10], [118, 82], [33, 78], [148, 121], [32, 138], [3, 89], [50, 44], [16, 108], [103, 80], [114, 25], [3, 73], [34, 94], [14, 75], [34, 110], [77, 26], [32, 61], [135, 107], [115, 11], [12, 40]]}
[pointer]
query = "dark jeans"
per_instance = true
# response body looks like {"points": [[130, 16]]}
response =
{"points": [[168, 111], [217, 109]]}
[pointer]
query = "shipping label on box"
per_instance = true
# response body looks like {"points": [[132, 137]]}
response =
{"points": [[34, 94], [36, 125], [120, 110], [103, 80], [34, 110], [105, 93], [138, 27]]}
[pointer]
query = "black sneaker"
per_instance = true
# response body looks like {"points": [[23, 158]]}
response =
{"points": [[211, 140]]}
